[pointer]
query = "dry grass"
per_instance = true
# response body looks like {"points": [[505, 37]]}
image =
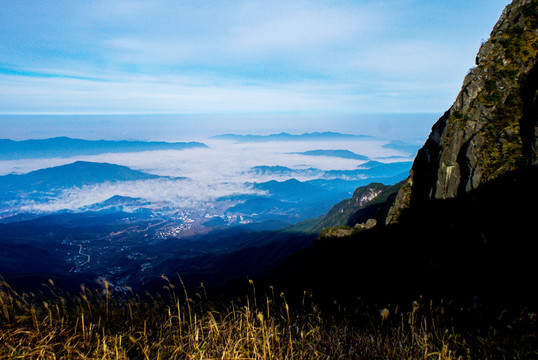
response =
{"points": [[99, 326]]}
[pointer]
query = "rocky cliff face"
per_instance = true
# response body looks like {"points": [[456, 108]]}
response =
{"points": [[368, 202], [491, 128], [467, 232]]}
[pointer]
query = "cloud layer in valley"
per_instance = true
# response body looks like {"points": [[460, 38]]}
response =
{"points": [[222, 169]]}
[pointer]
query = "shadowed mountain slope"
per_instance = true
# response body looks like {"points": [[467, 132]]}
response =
{"points": [[462, 224]]}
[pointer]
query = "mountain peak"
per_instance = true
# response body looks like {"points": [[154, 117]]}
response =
{"points": [[78, 173], [491, 129]]}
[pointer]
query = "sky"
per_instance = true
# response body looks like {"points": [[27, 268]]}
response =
{"points": [[238, 57]]}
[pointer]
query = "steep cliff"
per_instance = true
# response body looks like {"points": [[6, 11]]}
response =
{"points": [[368, 202], [462, 225], [491, 129]]}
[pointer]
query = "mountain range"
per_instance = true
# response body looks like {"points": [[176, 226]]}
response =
{"points": [[460, 225], [313, 136], [288, 201], [369, 170], [66, 147]]}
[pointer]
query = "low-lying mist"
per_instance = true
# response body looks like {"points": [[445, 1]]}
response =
{"points": [[195, 177]]}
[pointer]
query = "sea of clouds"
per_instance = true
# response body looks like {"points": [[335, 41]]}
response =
{"points": [[199, 176]]}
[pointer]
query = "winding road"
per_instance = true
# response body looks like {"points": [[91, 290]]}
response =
{"points": [[81, 253]]}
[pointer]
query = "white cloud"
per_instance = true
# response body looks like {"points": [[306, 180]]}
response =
{"points": [[200, 94], [242, 56], [179, 194], [236, 33], [223, 169], [298, 27]]}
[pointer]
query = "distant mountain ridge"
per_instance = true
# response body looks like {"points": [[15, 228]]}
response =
{"points": [[370, 169], [312, 198], [79, 173], [327, 135], [402, 146], [66, 147], [343, 154], [287, 201]]}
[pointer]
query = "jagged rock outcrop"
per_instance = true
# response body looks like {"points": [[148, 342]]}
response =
{"points": [[368, 202], [368, 225], [491, 128]]}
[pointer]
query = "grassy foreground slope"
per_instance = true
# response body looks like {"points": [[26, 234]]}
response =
{"points": [[91, 325]]}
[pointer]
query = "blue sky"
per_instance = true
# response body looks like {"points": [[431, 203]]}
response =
{"points": [[225, 57]]}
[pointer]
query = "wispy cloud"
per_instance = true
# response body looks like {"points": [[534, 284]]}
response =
{"points": [[213, 34], [175, 94], [163, 56], [177, 194]]}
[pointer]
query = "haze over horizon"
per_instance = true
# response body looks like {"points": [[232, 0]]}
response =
{"points": [[305, 57]]}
